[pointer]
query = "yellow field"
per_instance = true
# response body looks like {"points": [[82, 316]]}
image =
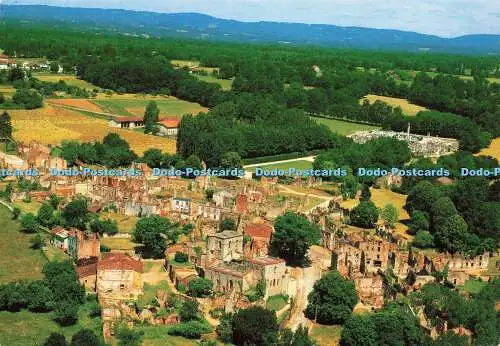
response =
{"points": [[407, 107], [493, 150], [69, 79], [50, 125], [7, 90]]}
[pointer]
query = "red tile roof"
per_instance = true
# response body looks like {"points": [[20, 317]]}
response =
{"points": [[127, 119], [170, 122], [120, 261], [87, 270], [259, 230]]}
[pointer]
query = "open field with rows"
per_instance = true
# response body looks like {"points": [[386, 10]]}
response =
{"points": [[344, 127], [77, 103], [68, 78], [407, 107], [50, 125], [298, 164]]}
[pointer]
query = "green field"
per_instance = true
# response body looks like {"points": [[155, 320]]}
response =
{"points": [[226, 84], [136, 107], [276, 303], [28, 328], [17, 260], [344, 127], [298, 164]]}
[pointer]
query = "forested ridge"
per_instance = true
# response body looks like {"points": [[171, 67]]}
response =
{"points": [[275, 88]]}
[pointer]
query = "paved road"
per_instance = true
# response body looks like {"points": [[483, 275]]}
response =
{"points": [[307, 158], [292, 192]]}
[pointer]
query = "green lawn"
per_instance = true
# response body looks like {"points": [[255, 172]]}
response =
{"points": [[326, 335], [17, 260], [277, 302], [28, 328], [136, 107], [344, 127], [226, 84], [473, 286], [298, 164], [158, 336], [150, 292]]}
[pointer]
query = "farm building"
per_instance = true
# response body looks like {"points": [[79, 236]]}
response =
{"points": [[127, 122], [168, 127], [6, 62]]}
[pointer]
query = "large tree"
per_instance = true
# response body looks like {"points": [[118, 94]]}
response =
{"points": [[364, 215], [5, 127], [76, 213], [452, 234], [421, 197], [293, 236], [359, 330], [153, 232], [332, 300], [151, 117], [255, 326], [84, 337]]}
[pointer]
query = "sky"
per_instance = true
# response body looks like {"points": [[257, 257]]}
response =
{"points": [[447, 18]]}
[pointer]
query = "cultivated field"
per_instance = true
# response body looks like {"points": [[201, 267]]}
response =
{"points": [[407, 107], [344, 127], [50, 125], [17, 260], [68, 78], [77, 103], [169, 107], [493, 150]]}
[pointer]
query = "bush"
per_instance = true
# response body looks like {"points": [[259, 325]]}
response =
{"points": [[190, 330], [181, 257], [28, 98]]}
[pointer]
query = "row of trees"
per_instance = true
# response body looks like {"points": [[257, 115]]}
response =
{"points": [[112, 152]]}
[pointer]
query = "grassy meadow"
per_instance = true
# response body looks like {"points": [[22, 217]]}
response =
{"points": [[225, 84], [344, 127], [28, 328], [17, 261]]}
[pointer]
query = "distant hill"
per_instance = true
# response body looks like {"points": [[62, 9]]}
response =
{"points": [[195, 25]]}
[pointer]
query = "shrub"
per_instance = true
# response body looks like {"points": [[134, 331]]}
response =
{"points": [[181, 257], [190, 330]]}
